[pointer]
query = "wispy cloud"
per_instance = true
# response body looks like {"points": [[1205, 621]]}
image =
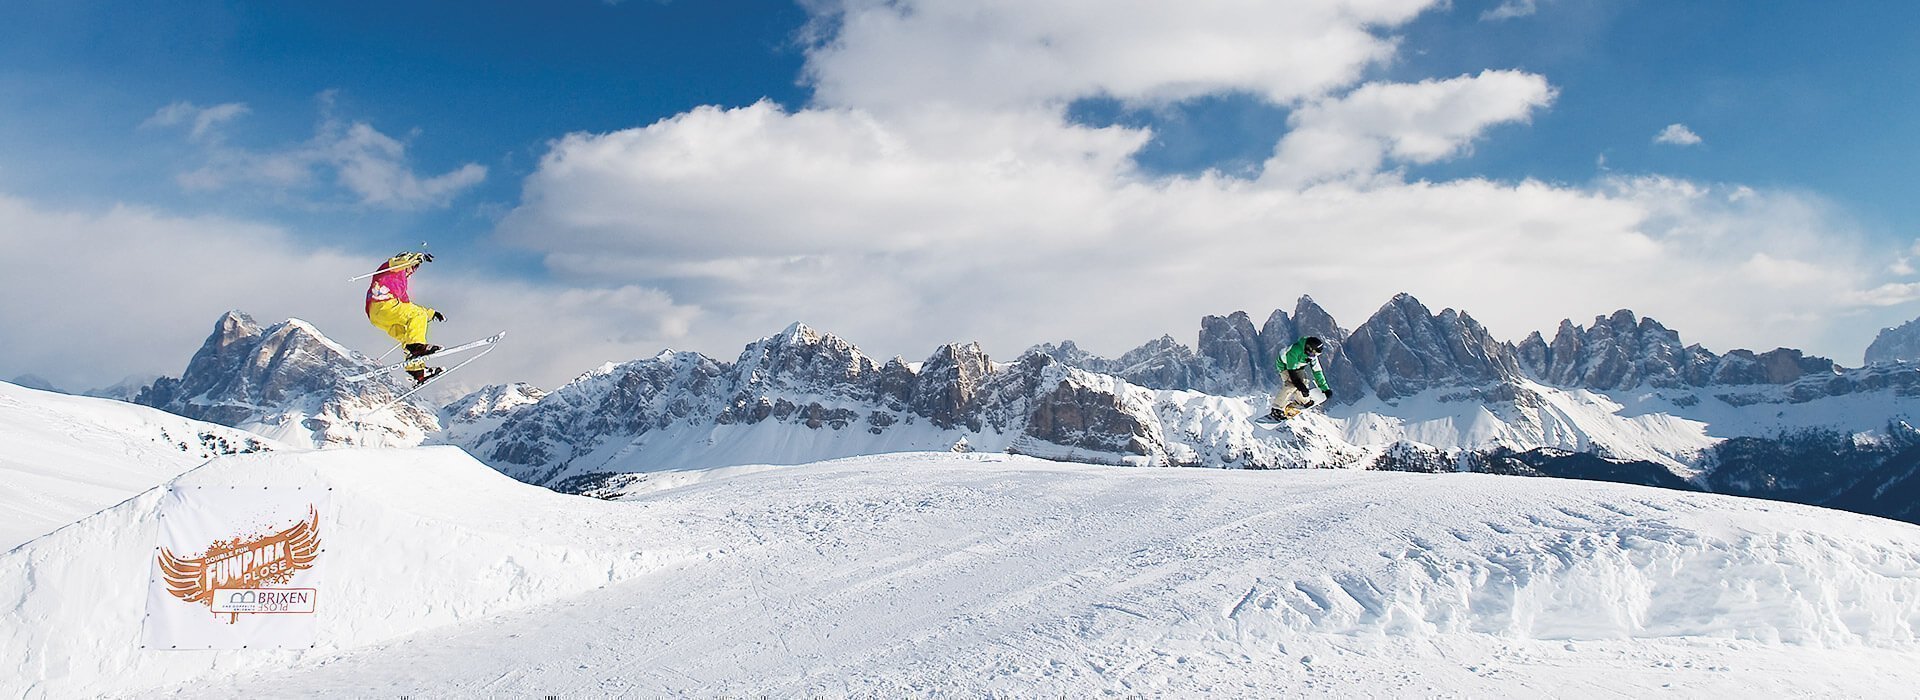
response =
{"points": [[1677, 135], [201, 122], [342, 157], [1511, 9], [1890, 294]]}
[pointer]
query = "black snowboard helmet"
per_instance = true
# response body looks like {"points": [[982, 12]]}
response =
{"points": [[1314, 346]]}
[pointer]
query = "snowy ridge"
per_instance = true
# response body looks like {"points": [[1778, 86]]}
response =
{"points": [[63, 457], [935, 574], [418, 538]]}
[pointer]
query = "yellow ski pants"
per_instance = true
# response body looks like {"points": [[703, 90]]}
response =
{"points": [[405, 321]]}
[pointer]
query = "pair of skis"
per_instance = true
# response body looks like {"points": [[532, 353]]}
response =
{"points": [[484, 345]]}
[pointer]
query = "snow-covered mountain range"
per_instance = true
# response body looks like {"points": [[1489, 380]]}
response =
{"points": [[1620, 399]]}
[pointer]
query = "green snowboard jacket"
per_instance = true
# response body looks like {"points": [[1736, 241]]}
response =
{"points": [[1296, 358]]}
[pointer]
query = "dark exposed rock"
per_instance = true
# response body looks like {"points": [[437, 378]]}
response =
{"points": [[1235, 348], [948, 384], [1075, 415]]}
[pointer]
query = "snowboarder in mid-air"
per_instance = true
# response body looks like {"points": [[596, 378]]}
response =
{"points": [[1296, 393], [391, 309]]}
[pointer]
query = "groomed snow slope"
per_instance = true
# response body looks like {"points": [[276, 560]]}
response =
{"points": [[64, 457], [415, 539], [983, 575]]}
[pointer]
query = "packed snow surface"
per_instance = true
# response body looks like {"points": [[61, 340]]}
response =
{"points": [[65, 457], [993, 575]]}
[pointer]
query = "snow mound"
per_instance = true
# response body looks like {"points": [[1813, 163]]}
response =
{"points": [[416, 538], [63, 457]]}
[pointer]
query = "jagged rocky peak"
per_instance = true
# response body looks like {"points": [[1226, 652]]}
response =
{"points": [[1622, 351], [801, 354], [1404, 349], [242, 359], [493, 401], [949, 383], [1164, 363], [1163, 345], [1310, 319], [232, 328], [1617, 352], [1898, 344], [1072, 355], [287, 382], [1235, 347]]}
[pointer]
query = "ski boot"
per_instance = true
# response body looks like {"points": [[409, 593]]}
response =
{"points": [[1290, 410], [424, 374], [418, 350]]}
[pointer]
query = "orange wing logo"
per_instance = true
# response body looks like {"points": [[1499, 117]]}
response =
{"points": [[243, 562]]}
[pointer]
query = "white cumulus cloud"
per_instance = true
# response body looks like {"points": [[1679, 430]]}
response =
{"points": [[1414, 123], [1016, 53], [1677, 135]]}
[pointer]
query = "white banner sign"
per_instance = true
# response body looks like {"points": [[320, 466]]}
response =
{"points": [[237, 568]]}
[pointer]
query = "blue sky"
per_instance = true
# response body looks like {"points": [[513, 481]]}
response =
{"points": [[609, 179]]}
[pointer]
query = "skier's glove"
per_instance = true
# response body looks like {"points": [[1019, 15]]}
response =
{"points": [[426, 257], [438, 317], [1327, 393]]}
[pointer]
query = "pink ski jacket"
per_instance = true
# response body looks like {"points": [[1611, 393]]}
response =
{"points": [[389, 286]]}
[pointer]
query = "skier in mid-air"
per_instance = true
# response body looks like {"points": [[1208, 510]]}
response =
{"points": [[391, 309], [1295, 393]]}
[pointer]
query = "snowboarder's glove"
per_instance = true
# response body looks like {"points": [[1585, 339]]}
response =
{"points": [[1327, 393], [438, 317], [426, 257]]}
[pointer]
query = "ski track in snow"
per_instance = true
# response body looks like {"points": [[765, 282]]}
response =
{"points": [[994, 576]]}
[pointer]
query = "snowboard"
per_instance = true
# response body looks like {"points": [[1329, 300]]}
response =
{"points": [[1285, 413], [463, 347]]}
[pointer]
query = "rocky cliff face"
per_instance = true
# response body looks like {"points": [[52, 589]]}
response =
{"points": [[1404, 349], [1899, 344], [286, 381]]}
